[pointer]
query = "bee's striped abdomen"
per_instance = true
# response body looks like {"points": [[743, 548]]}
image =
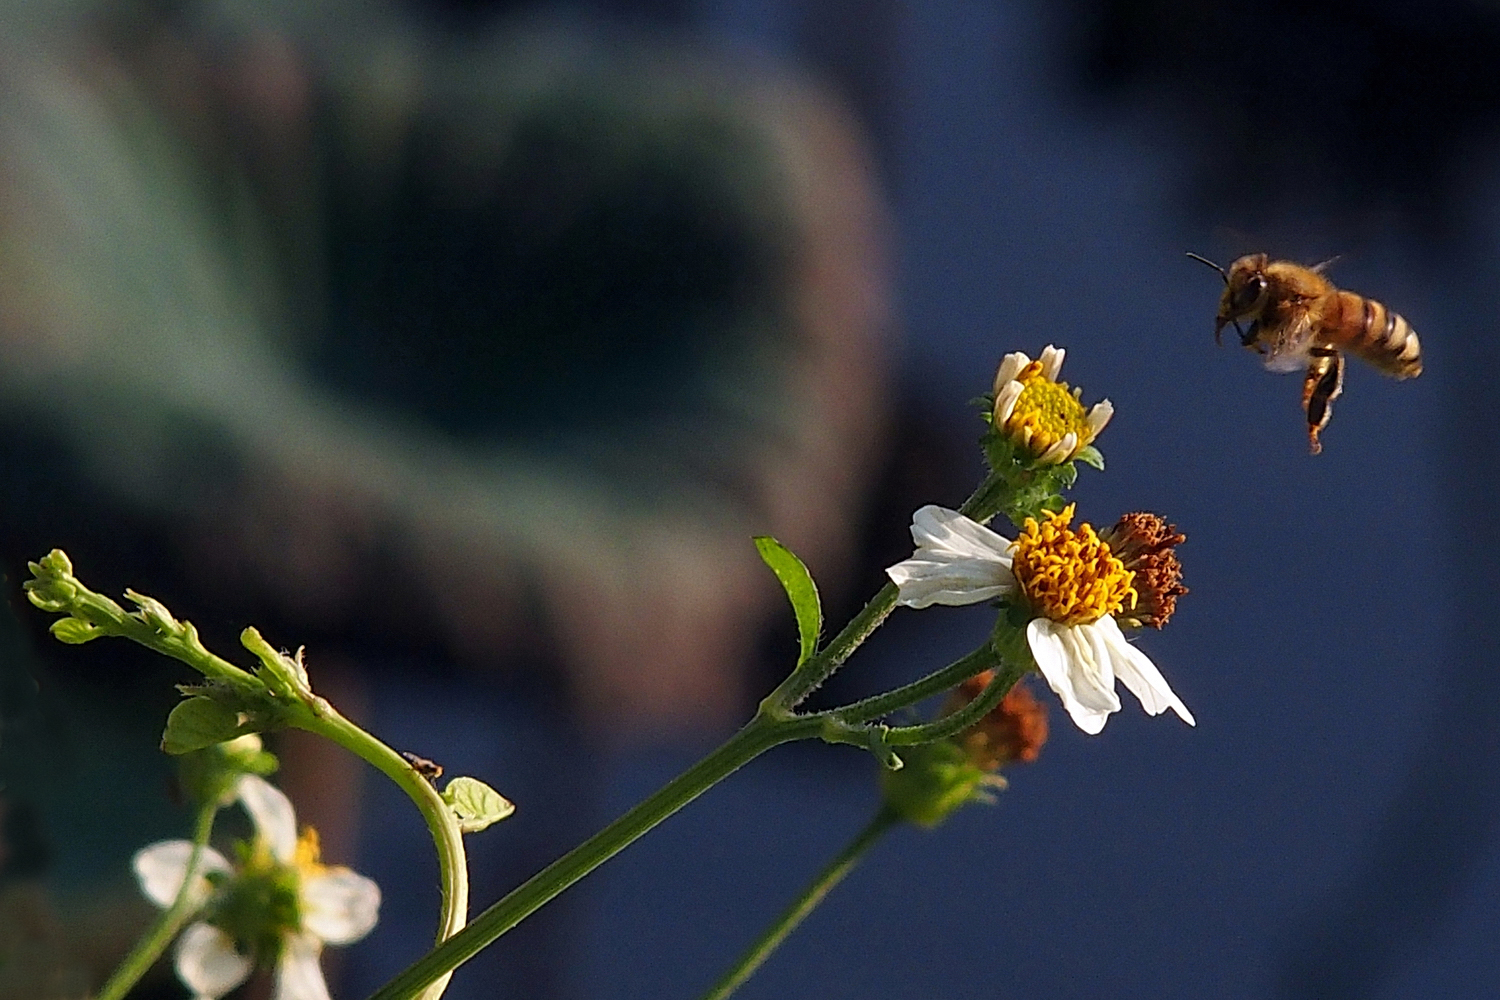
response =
{"points": [[1380, 336]]}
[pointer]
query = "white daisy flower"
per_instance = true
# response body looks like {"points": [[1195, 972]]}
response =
{"points": [[1040, 413], [1069, 579], [279, 906]]}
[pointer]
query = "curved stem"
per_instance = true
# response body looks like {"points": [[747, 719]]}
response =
{"points": [[814, 894], [161, 932], [951, 725], [442, 823], [955, 673], [816, 669], [760, 735]]}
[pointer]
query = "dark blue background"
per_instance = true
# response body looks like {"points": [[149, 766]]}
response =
{"points": [[1327, 829]]}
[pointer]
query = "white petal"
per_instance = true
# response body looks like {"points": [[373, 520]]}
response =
{"points": [[938, 530], [272, 812], [1084, 684], [1010, 367], [1052, 359], [1136, 671], [1060, 451], [160, 867], [207, 962], [958, 561], [339, 906], [298, 974], [1098, 417], [1006, 395], [953, 582]]}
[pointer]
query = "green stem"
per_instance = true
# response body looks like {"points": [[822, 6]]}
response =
{"points": [[955, 673], [951, 725], [442, 823], [761, 734], [988, 498], [814, 894], [161, 932], [816, 669]]}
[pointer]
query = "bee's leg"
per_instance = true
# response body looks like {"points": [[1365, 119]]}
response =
{"points": [[1249, 337], [1320, 387]]}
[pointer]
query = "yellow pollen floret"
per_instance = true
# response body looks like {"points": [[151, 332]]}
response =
{"points": [[1045, 412], [1070, 576], [307, 856]]}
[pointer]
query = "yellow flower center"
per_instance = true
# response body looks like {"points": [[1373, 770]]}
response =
{"points": [[1046, 411], [1070, 576], [308, 854]]}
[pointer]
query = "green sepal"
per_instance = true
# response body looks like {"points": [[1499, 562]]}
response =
{"points": [[1091, 456], [74, 631], [800, 589], [476, 804], [984, 404], [201, 721], [999, 453], [937, 780]]}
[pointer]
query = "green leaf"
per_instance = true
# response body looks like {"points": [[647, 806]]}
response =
{"points": [[1089, 455], [800, 589], [476, 804], [201, 722], [74, 631]]}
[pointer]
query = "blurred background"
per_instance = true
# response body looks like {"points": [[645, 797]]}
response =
{"points": [[468, 343]]}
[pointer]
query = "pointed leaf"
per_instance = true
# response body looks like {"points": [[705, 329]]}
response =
{"points": [[800, 589], [1089, 455], [476, 804], [201, 722]]}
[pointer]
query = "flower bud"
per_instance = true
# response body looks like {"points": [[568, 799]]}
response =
{"points": [[935, 780]]}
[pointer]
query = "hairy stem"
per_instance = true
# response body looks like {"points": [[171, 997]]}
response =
{"points": [[955, 673], [760, 735]]}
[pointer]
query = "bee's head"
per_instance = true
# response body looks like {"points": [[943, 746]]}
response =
{"points": [[1245, 292]]}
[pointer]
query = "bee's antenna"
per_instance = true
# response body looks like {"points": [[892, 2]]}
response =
{"points": [[1204, 260]]}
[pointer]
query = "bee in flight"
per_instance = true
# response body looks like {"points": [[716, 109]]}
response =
{"points": [[1298, 318]]}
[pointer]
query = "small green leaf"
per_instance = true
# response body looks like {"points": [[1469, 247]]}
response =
{"points": [[799, 587], [201, 722], [476, 804], [1089, 455], [74, 631]]}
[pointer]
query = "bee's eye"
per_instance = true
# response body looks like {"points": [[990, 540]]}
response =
{"points": [[1250, 294]]}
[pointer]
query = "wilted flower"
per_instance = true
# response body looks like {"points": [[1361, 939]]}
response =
{"points": [[940, 777], [1145, 543], [1013, 730], [1068, 579], [1039, 413], [277, 907]]}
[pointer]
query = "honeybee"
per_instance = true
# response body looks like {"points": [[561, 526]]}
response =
{"points": [[1298, 318]]}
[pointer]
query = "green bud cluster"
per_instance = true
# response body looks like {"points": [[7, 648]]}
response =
{"points": [[937, 780]]}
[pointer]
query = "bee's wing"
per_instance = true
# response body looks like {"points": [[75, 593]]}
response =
{"points": [[1286, 348]]}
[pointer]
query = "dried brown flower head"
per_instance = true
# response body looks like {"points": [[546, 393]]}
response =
{"points": [[1145, 542], [1015, 729]]}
